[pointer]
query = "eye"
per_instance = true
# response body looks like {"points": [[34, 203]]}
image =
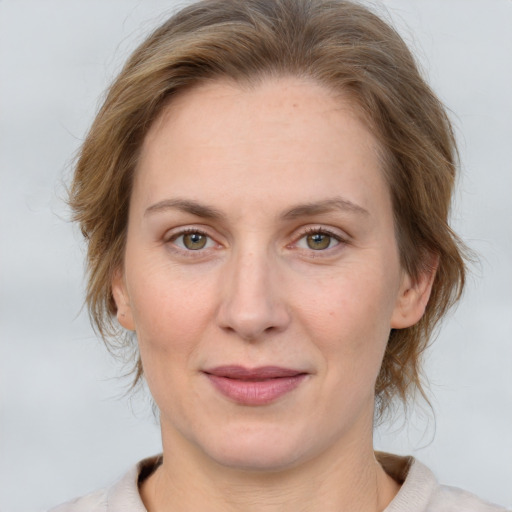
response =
{"points": [[192, 241], [318, 240]]}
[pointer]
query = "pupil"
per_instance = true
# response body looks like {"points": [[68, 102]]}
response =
{"points": [[318, 241], [194, 241]]}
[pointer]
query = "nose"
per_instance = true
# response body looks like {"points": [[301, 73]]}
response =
{"points": [[253, 301]]}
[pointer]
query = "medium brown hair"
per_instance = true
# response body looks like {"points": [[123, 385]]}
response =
{"points": [[337, 43]]}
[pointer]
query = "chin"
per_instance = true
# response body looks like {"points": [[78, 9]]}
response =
{"points": [[252, 449], [257, 460]]}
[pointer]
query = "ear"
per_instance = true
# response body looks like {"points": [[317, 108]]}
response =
{"points": [[413, 295], [121, 298]]}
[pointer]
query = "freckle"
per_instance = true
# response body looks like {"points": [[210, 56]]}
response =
{"points": [[295, 105]]}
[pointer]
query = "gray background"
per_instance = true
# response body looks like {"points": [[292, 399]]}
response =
{"points": [[65, 427]]}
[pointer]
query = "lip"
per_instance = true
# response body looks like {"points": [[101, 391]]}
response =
{"points": [[254, 386]]}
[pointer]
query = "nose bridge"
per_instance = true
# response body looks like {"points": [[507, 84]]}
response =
{"points": [[252, 302]]}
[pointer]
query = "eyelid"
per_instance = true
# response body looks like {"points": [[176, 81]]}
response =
{"points": [[342, 238], [178, 232]]}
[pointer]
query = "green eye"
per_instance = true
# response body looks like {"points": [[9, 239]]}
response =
{"points": [[194, 241], [318, 241]]}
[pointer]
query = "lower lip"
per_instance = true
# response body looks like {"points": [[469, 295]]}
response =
{"points": [[255, 392]]}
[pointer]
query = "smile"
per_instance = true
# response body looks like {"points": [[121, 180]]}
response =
{"points": [[257, 386]]}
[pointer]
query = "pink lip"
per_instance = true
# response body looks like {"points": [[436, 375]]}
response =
{"points": [[256, 386]]}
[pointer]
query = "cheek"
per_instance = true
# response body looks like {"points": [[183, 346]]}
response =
{"points": [[349, 320], [170, 316], [170, 310]]}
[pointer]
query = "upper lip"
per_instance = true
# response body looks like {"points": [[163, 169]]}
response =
{"points": [[259, 373]]}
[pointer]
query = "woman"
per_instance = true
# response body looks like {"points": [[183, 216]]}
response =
{"points": [[265, 195]]}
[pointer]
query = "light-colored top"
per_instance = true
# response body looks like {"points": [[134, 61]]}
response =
{"points": [[420, 491]]}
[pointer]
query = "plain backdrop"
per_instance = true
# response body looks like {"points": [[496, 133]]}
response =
{"points": [[65, 428]]}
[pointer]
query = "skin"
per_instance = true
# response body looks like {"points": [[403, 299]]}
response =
{"points": [[275, 162]]}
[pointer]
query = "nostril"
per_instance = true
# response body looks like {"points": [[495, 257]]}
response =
{"points": [[252, 327], [251, 304]]}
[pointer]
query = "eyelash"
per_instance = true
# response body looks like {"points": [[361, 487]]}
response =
{"points": [[322, 231], [188, 231], [306, 232]]}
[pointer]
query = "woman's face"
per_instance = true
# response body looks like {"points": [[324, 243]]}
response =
{"points": [[261, 273]]}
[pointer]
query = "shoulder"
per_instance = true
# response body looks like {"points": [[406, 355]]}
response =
{"points": [[452, 499], [421, 492], [95, 502], [123, 496]]}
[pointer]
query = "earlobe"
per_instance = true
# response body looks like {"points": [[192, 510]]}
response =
{"points": [[121, 298], [413, 296]]}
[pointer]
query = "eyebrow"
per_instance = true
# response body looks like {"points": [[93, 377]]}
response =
{"points": [[187, 206], [325, 206], [301, 210]]}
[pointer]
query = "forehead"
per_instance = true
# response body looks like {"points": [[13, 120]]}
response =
{"points": [[259, 99], [290, 135]]}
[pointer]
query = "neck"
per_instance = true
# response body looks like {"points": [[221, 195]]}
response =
{"points": [[346, 478]]}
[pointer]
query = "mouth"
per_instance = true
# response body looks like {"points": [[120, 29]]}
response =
{"points": [[254, 386]]}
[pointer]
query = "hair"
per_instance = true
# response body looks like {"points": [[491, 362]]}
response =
{"points": [[339, 44]]}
